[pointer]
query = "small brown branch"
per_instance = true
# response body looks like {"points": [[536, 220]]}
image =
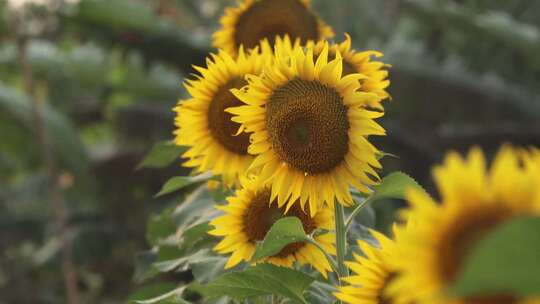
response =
{"points": [[55, 192]]}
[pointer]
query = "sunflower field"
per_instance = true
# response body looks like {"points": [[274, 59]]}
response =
{"points": [[270, 151]]}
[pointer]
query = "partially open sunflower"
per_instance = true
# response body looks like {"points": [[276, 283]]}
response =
{"points": [[372, 273], [310, 128], [474, 201], [202, 124], [248, 217], [253, 20], [361, 62]]}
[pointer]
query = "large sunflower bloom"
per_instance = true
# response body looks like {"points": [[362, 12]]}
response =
{"points": [[202, 124], [372, 273], [310, 128], [248, 217], [361, 62], [252, 21], [474, 201]]}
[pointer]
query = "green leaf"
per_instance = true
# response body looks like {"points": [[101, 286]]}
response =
{"points": [[206, 269], [197, 208], [181, 262], [221, 193], [282, 233], [506, 261], [321, 293], [178, 182], [143, 266], [160, 227], [196, 233], [171, 297], [161, 293], [162, 154], [394, 185], [260, 280]]}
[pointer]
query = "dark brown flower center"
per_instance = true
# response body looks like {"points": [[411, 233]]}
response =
{"points": [[308, 126], [219, 122], [261, 215], [467, 230], [268, 18]]}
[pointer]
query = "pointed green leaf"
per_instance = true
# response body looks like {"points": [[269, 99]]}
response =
{"points": [[282, 233], [161, 293], [206, 269], [178, 182], [506, 261], [260, 280], [171, 297], [321, 293], [181, 262], [197, 208], [162, 154], [143, 266], [394, 185], [160, 227]]}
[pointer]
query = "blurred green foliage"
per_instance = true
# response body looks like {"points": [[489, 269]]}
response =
{"points": [[108, 73]]}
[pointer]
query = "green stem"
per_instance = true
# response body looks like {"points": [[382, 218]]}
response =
{"points": [[328, 256], [341, 241], [355, 212]]}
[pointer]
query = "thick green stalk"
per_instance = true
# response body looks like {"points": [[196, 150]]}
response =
{"points": [[341, 241]]}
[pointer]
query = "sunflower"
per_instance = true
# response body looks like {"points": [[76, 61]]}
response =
{"points": [[248, 217], [202, 124], [282, 43], [310, 128], [361, 62], [372, 273], [253, 20], [474, 201]]}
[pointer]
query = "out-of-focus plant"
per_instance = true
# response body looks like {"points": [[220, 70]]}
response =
{"points": [[108, 72]]}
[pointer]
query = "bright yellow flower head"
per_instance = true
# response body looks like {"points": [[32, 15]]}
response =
{"points": [[249, 215], [254, 20], [474, 200], [372, 274], [202, 124], [361, 62], [310, 128]]}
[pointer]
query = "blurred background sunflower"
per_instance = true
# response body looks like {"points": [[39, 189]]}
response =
{"points": [[107, 74], [474, 199], [252, 21]]}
